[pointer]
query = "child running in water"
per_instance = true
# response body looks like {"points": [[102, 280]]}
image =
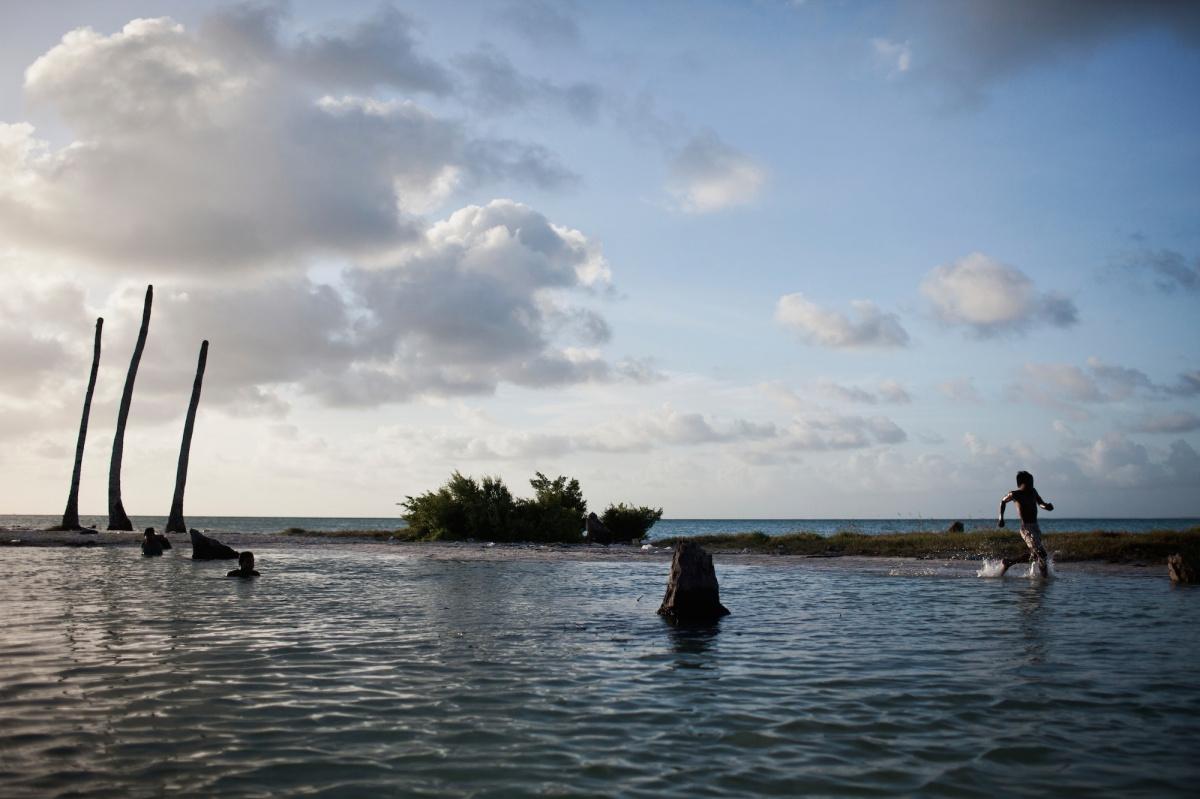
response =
{"points": [[1028, 501]]}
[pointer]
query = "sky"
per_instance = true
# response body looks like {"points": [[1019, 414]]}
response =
{"points": [[735, 259]]}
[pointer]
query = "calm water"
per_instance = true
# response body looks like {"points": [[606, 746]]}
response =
{"points": [[666, 528], [367, 672]]}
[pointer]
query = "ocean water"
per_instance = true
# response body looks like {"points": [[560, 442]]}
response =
{"points": [[369, 672], [665, 528]]}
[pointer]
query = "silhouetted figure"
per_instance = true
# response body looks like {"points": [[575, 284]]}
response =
{"points": [[151, 547], [162, 540], [1028, 501], [597, 532], [245, 566]]}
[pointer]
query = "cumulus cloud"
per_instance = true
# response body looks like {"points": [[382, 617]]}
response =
{"points": [[989, 298], [968, 46], [887, 391], [870, 327], [1060, 384], [709, 175], [190, 154]]}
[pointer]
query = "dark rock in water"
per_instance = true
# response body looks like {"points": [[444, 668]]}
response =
{"points": [[693, 596], [1183, 569], [956, 527], [205, 548], [597, 533]]}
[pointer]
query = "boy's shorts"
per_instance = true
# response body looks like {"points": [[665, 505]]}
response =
{"points": [[1031, 534]]}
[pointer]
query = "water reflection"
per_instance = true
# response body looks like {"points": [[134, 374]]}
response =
{"points": [[1031, 619], [692, 644]]}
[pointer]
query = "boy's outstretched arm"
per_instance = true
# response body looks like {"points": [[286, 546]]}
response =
{"points": [[1007, 499], [1044, 504]]}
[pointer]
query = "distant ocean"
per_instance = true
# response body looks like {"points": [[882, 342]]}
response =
{"points": [[666, 528]]}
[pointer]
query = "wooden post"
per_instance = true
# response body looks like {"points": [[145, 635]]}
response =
{"points": [[175, 520]]}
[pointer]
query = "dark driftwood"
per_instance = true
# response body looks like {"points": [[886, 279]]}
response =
{"points": [[693, 596], [117, 518], [1182, 569], [70, 519], [205, 548], [175, 520]]}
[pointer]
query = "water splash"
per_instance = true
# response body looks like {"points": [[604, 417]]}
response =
{"points": [[991, 568], [995, 568]]}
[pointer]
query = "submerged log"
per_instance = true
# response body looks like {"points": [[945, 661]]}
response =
{"points": [[70, 519], [175, 522], [693, 596], [118, 519], [1183, 569], [205, 548]]}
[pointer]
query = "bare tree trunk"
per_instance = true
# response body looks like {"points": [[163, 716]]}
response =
{"points": [[117, 518], [175, 520], [70, 519]]}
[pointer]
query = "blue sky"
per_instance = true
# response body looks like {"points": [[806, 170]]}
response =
{"points": [[734, 259]]}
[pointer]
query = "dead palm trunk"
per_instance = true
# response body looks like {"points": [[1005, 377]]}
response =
{"points": [[117, 518], [175, 520], [70, 519]]}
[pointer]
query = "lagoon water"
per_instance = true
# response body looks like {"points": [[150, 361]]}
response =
{"points": [[370, 671]]}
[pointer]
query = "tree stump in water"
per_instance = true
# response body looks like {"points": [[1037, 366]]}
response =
{"points": [[205, 548], [693, 596], [1182, 569], [956, 527]]}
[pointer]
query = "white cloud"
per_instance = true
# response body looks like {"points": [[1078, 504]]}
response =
{"points": [[896, 55], [201, 152], [1173, 422], [871, 327], [708, 175], [989, 298]]}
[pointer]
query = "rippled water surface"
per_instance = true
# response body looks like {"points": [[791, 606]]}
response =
{"points": [[377, 673]]}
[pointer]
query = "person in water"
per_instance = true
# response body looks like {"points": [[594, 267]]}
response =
{"points": [[162, 540], [151, 546], [245, 566], [1028, 501]]}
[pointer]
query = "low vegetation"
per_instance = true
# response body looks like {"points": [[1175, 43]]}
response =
{"points": [[1153, 547]]}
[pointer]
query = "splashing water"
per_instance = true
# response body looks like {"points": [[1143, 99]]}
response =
{"points": [[991, 568], [995, 568]]}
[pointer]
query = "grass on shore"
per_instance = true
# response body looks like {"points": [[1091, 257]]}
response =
{"points": [[1110, 546], [1152, 547]]}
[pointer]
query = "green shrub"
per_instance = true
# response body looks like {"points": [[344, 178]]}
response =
{"points": [[629, 523], [485, 509]]}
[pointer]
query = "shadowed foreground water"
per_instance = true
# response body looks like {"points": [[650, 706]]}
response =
{"points": [[361, 673]]}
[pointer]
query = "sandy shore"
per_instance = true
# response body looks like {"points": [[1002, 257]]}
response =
{"points": [[485, 551]]}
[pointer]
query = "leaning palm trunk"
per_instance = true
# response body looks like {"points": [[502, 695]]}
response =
{"points": [[117, 518], [70, 519], [175, 520]]}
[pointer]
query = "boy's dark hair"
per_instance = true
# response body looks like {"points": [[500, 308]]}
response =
{"points": [[1024, 479], [246, 558]]}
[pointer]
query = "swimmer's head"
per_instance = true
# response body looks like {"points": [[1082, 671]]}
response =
{"points": [[149, 532], [1024, 480], [246, 560]]}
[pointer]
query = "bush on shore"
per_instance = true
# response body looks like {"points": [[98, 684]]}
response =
{"points": [[628, 523], [485, 509]]}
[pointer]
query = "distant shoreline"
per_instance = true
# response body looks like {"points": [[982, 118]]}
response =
{"points": [[1111, 547]]}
